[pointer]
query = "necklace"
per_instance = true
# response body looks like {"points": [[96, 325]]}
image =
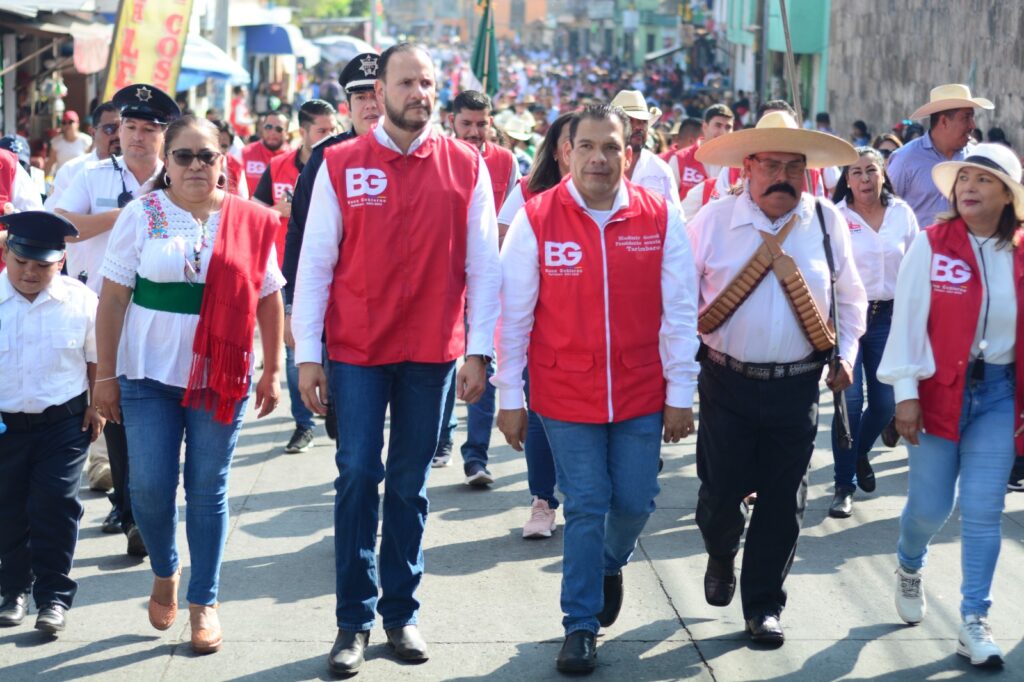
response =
{"points": [[978, 371], [194, 266]]}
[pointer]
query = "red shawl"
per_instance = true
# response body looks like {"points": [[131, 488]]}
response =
{"points": [[222, 349]]}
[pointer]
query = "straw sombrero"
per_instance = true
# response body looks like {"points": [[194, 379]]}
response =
{"points": [[635, 106], [997, 159], [517, 129], [777, 131], [953, 96]]}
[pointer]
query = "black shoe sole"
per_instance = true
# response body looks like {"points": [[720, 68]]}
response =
{"points": [[51, 628], [576, 669], [865, 475], [836, 514], [412, 658], [342, 672], [137, 546], [5, 623]]}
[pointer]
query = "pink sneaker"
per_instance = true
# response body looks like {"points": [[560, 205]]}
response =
{"points": [[542, 520]]}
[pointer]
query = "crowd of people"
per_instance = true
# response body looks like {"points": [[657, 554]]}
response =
{"points": [[547, 258]]}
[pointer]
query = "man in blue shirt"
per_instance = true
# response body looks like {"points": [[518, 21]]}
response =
{"points": [[951, 116]]}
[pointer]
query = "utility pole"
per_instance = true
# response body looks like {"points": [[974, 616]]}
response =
{"points": [[221, 34]]}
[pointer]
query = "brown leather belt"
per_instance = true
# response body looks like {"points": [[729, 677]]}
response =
{"points": [[763, 371]]}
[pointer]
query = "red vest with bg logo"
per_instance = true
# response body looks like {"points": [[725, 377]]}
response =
{"points": [[955, 306], [255, 159], [283, 176], [691, 171], [8, 171], [400, 283], [499, 165], [593, 355]]}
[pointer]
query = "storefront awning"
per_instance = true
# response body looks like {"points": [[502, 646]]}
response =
{"points": [[202, 59], [92, 40], [280, 39], [653, 56]]}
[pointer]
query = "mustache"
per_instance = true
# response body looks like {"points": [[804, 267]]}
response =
{"points": [[783, 187]]}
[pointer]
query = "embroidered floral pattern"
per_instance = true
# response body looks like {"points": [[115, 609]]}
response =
{"points": [[154, 216]]}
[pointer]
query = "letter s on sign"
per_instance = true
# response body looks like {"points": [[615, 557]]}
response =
{"points": [[949, 270], [360, 181], [565, 254]]}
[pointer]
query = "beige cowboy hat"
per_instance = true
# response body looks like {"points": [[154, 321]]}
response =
{"points": [[997, 159], [635, 106], [952, 96], [517, 129], [777, 131]]}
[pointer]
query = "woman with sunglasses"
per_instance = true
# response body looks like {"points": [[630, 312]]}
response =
{"points": [[886, 144], [882, 228], [189, 272]]}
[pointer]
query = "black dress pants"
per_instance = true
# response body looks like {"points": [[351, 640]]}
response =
{"points": [[40, 473], [755, 436], [117, 451]]}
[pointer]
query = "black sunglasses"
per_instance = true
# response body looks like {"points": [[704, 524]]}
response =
{"points": [[885, 153], [271, 126], [185, 157]]}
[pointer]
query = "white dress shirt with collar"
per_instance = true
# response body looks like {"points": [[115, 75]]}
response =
{"points": [[323, 239], [654, 174], [726, 233], [878, 254], [520, 287]]}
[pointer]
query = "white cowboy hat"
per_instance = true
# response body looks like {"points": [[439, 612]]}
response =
{"points": [[777, 131], [997, 159], [952, 96], [516, 129], [635, 106]]}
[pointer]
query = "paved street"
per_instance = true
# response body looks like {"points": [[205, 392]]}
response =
{"points": [[491, 599]]}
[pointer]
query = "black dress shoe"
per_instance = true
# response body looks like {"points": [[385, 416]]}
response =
{"points": [[719, 581], [865, 474], [612, 600], [842, 503], [408, 643], [13, 609], [136, 545], [765, 628], [579, 653], [890, 436], [51, 618], [347, 653], [112, 524]]}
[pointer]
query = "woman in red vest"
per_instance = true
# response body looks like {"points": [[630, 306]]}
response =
{"points": [[190, 271], [954, 364]]}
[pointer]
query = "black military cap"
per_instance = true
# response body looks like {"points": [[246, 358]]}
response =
{"points": [[37, 235], [18, 148], [360, 73], [146, 102]]}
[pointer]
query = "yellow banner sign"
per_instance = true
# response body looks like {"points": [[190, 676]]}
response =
{"points": [[148, 44]]}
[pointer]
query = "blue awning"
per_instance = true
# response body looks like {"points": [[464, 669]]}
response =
{"points": [[202, 59], [280, 39]]}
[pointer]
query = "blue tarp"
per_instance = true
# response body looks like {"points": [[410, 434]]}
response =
{"points": [[202, 60]]}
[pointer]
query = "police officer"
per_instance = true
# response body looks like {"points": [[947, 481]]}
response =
{"points": [[48, 351], [92, 203]]}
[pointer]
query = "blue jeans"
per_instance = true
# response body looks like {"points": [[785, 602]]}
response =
{"points": [[415, 393], [608, 474], [865, 424], [479, 423], [540, 464], [300, 413], [979, 465], [156, 423]]}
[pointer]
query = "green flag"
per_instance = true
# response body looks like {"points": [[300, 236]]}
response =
{"points": [[485, 52]]}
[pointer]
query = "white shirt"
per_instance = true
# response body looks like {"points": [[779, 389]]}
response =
{"points": [[65, 174], [95, 190], [156, 344], [652, 173], [70, 150], [520, 287], [726, 233], [878, 254], [45, 344], [322, 243], [908, 356], [512, 204]]}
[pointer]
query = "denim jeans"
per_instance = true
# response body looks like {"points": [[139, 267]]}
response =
{"points": [[156, 423], [479, 423], [865, 423], [979, 466], [300, 413], [415, 393], [540, 464], [608, 474]]}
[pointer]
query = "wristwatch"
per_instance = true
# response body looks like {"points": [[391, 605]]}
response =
{"points": [[287, 308]]}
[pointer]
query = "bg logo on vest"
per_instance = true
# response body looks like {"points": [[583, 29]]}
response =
{"points": [[949, 275], [561, 259], [363, 185]]}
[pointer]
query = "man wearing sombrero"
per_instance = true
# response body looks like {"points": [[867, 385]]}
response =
{"points": [[950, 111], [765, 301], [646, 169]]}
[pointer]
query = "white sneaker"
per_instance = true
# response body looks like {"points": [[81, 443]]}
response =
{"points": [[976, 643], [542, 520], [441, 460], [910, 602]]}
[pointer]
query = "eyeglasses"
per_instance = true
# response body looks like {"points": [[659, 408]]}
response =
{"points": [[110, 128], [772, 167], [66, 123], [885, 153], [185, 157], [270, 126]]}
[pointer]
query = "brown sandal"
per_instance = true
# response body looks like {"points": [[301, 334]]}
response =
{"points": [[161, 615], [206, 632]]}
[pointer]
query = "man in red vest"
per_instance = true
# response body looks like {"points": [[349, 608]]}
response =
{"points": [[472, 122], [275, 189], [688, 171], [598, 283], [256, 156], [401, 266]]}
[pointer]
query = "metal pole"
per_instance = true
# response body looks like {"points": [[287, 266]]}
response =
{"points": [[794, 84], [221, 38]]}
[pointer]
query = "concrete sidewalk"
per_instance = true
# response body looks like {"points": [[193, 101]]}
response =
{"points": [[490, 599]]}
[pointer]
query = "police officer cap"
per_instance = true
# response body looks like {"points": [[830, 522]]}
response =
{"points": [[146, 102], [37, 235], [360, 73], [18, 148]]}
